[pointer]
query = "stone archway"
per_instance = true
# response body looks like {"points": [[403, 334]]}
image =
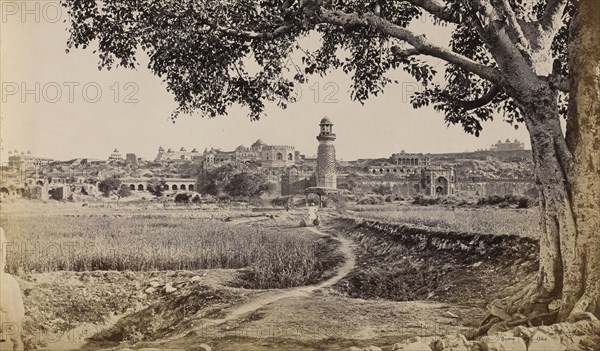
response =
{"points": [[182, 187], [131, 186], [4, 190], [441, 186], [174, 187], [141, 187], [191, 187]]}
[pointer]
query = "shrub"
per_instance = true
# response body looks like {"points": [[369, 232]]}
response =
{"points": [[382, 189], [224, 197], [196, 199], [109, 186], [338, 201], [182, 198], [524, 202], [56, 194], [281, 201], [505, 201], [427, 201], [371, 200], [392, 198]]}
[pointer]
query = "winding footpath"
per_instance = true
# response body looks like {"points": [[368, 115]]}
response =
{"points": [[250, 307]]}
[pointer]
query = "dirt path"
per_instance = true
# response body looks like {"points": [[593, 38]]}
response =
{"points": [[250, 307]]}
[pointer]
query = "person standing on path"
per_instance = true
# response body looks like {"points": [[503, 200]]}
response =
{"points": [[312, 212]]}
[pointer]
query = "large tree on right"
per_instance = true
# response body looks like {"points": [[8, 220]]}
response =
{"points": [[537, 61], [577, 235]]}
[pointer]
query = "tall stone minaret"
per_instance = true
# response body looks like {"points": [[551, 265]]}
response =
{"points": [[326, 172]]}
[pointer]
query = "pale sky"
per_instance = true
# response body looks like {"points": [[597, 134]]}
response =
{"points": [[65, 127]]}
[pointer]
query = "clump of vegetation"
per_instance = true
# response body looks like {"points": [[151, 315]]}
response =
{"points": [[282, 201], [234, 180], [337, 201], [182, 198], [156, 187], [428, 201], [382, 189], [506, 201], [196, 199], [392, 198], [370, 200]]}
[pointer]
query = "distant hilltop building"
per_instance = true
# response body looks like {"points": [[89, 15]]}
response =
{"points": [[507, 146], [410, 159], [25, 160], [402, 164], [181, 155], [326, 164], [270, 156]]}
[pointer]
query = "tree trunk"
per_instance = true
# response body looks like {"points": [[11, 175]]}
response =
{"points": [[568, 177], [552, 162], [581, 287]]}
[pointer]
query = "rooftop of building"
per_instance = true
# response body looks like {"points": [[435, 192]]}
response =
{"points": [[325, 120]]}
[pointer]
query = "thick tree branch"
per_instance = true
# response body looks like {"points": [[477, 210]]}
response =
{"points": [[476, 103], [419, 42], [551, 19], [514, 27], [512, 58], [398, 51], [436, 8], [482, 101]]}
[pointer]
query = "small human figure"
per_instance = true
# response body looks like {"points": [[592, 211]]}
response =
{"points": [[312, 212]]}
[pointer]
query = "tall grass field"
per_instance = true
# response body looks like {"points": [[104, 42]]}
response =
{"points": [[275, 258]]}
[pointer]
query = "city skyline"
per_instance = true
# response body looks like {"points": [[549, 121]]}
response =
{"points": [[201, 151]]}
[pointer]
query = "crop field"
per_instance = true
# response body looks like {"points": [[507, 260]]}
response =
{"points": [[274, 258], [521, 222]]}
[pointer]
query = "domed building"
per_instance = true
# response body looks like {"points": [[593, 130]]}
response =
{"points": [[25, 160]]}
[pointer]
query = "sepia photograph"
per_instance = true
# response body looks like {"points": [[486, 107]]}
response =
{"points": [[300, 175]]}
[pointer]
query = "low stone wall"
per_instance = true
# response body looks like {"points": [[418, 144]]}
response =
{"points": [[477, 244]]}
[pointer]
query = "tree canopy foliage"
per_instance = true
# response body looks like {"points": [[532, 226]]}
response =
{"points": [[156, 186], [213, 54], [234, 180], [249, 185], [109, 186]]}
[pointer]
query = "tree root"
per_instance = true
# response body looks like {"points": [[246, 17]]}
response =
{"points": [[531, 321], [525, 302], [486, 324], [585, 304]]}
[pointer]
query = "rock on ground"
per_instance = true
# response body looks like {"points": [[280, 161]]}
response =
{"points": [[502, 342]]}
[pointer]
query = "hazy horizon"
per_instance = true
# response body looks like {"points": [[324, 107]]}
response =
{"points": [[132, 112]]}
